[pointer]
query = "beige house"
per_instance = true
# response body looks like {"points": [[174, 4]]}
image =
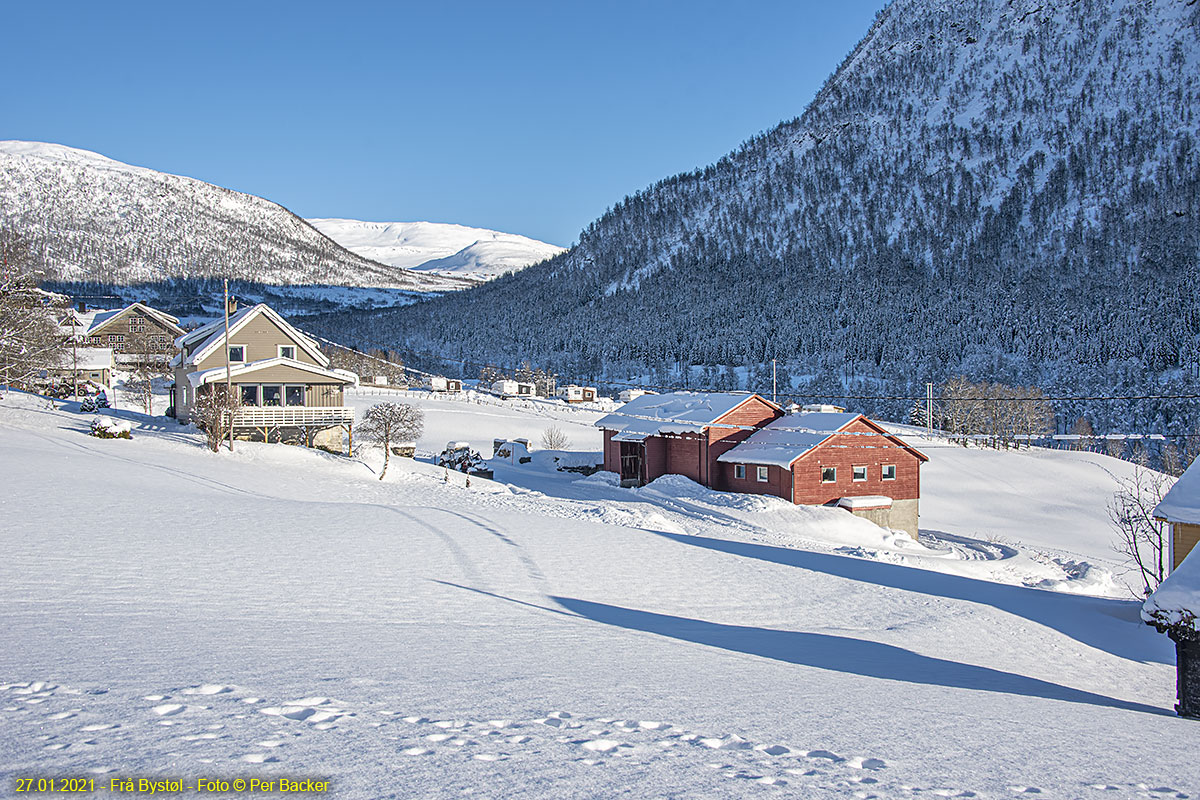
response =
{"points": [[1180, 508], [286, 386], [135, 334]]}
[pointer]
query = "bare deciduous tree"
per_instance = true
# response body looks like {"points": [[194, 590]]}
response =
{"points": [[553, 438], [1141, 539], [30, 339], [214, 412], [386, 423]]}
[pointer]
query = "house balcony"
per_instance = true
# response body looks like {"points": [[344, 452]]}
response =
{"points": [[287, 416]]}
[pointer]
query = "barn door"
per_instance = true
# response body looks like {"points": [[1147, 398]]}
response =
{"points": [[631, 462]]}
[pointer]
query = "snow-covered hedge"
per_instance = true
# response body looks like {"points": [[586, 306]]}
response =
{"points": [[109, 428]]}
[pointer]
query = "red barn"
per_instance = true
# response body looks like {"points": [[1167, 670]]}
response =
{"points": [[825, 458], [680, 433]]}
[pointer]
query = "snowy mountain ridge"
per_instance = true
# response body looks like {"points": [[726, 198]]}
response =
{"points": [[434, 247], [96, 220]]}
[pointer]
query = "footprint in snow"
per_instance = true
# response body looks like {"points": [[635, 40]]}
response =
{"points": [[825, 755], [64, 714], [417, 751], [209, 689], [259, 758], [773, 749], [271, 743], [100, 726], [169, 709], [1025, 789], [860, 762], [489, 756], [603, 745]]}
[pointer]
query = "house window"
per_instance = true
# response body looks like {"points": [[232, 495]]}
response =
{"points": [[860, 473], [739, 471], [828, 474], [762, 475], [287, 351], [889, 472], [272, 395], [294, 395], [237, 353], [249, 394]]}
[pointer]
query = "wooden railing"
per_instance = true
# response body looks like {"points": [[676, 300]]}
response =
{"points": [[262, 417]]}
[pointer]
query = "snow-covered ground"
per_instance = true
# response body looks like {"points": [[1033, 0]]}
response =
{"points": [[280, 611]]}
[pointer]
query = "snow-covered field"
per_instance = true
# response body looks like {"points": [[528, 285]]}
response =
{"points": [[280, 612]]}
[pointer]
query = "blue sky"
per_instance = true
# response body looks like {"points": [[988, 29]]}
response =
{"points": [[525, 117]]}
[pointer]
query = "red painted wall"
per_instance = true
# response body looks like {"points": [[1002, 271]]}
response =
{"points": [[754, 412], [778, 481], [872, 450]]}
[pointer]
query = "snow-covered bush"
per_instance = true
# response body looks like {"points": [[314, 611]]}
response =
{"points": [[459, 456], [109, 428], [88, 405]]}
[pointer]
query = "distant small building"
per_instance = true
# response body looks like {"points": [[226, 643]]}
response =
{"points": [[632, 394], [135, 334], [1180, 509], [437, 383], [1174, 609], [578, 394], [510, 388], [93, 364]]}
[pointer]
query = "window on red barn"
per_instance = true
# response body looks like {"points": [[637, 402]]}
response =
{"points": [[762, 474], [860, 473], [739, 471], [828, 474], [889, 472]]}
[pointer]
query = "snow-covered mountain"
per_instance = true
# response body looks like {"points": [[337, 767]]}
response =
{"points": [[438, 247], [1003, 189], [90, 218]]}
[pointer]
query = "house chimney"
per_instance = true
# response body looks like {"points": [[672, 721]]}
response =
{"points": [[82, 306], [232, 304]]}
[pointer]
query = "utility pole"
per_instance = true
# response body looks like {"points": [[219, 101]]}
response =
{"points": [[773, 392], [228, 371], [75, 361], [929, 408]]}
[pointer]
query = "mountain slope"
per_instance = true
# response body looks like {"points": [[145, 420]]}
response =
{"points": [[438, 247], [1006, 190], [94, 219]]}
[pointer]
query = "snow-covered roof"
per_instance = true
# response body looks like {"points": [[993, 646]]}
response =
{"points": [[1176, 602], [207, 338], [1182, 502], [217, 374], [96, 320], [674, 412], [787, 438], [87, 358]]}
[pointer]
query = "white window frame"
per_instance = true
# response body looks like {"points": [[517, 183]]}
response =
{"points": [[883, 472], [823, 474], [244, 353], [739, 472], [280, 348], [762, 474], [257, 393], [854, 473], [303, 387]]}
